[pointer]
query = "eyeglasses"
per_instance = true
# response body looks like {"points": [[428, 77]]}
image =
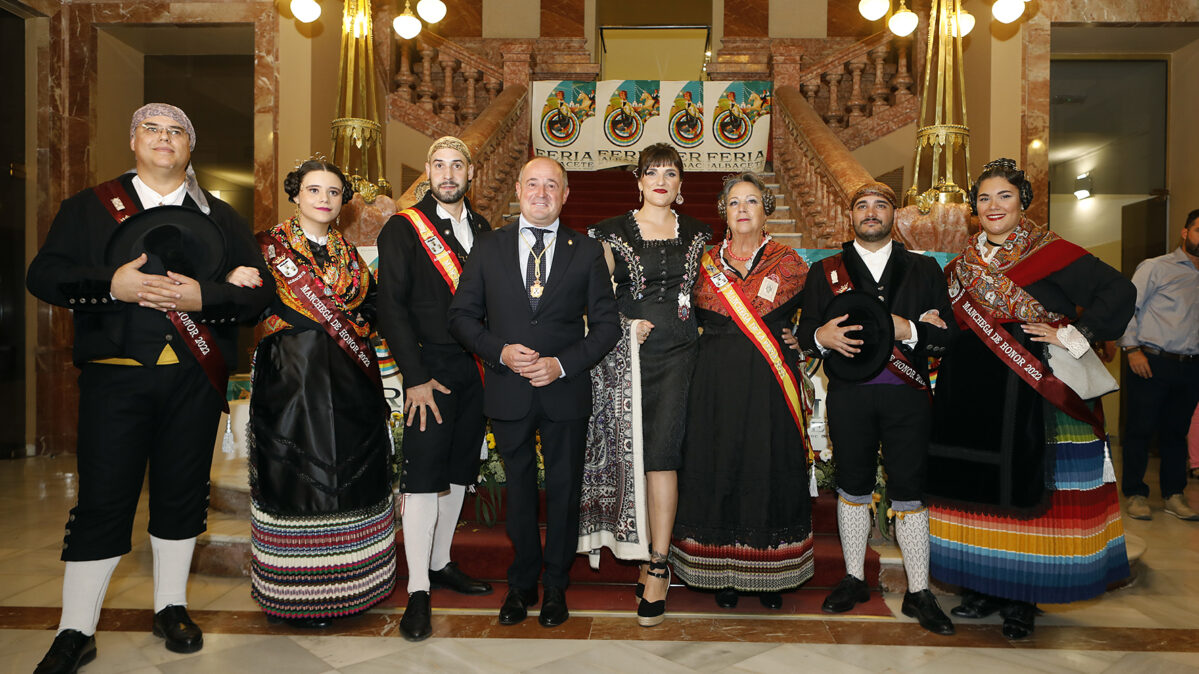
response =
{"points": [[154, 130]]}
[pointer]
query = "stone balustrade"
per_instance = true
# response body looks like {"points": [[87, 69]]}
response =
{"points": [[499, 142], [437, 76], [815, 169]]}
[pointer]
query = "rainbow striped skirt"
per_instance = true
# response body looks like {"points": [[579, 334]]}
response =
{"points": [[327, 566], [1072, 551]]}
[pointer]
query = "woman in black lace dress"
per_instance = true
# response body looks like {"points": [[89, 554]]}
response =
{"points": [[653, 254]]}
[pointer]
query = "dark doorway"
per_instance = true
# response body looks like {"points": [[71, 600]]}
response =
{"points": [[12, 238]]}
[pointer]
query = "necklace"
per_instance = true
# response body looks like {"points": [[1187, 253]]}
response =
{"points": [[537, 289], [729, 249]]}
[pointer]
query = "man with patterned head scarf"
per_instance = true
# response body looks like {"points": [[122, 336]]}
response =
{"points": [[421, 253], [154, 351], [891, 404]]}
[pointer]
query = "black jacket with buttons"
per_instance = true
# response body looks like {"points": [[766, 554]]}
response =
{"points": [[414, 297], [911, 285], [70, 271]]}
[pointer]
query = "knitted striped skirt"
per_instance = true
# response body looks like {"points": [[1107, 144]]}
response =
{"points": [[1072, 551], [741, 567], [325, 566]]}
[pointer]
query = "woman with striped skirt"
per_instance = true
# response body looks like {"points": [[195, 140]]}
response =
{"points": [[322, 528], [1024, 507]]}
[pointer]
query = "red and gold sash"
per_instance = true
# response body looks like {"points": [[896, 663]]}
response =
{"points": [[196, 336], [898, 364], [750, 323], [444, 259]]}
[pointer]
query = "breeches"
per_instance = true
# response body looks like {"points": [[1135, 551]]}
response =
{"points": [[164, 417], [860, 418]]}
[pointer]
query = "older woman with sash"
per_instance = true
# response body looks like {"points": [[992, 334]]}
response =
{"points": [[322, 528], [744, 522], [1024, 506]]}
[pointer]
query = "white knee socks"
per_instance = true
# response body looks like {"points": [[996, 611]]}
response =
{"points": [[83, 588], [449, 508], [853, 523], [419, 521], [172, 562], [911, 531]]}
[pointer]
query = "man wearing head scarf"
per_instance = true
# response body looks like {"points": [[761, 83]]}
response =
{"points": [[153, 350], [891, 407], [421, 253]]}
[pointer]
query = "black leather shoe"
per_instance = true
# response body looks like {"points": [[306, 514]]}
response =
{"points": [[416, 624], [71, 650], [1018, 619], [923, 606], [516, 605], [553, 608], [452, 578], [771, 600], [727, 598], [977, 605], [182, 635], [849, 593]]}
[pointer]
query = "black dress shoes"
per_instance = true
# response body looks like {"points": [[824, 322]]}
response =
{"points": [[727, 598], [71, 650], [516, 605], [452, 578], [771, 600], [182, 635], [849, 593], [553, 608], [977, 605], [923, 607], [416, 625], [1018, 619]]}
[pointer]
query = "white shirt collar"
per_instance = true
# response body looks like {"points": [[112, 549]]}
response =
{"points": [[553, 226], [875, 261], [445, 215], [150, 198]]}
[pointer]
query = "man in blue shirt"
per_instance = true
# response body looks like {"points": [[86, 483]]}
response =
{"points": [[1161, 346]]}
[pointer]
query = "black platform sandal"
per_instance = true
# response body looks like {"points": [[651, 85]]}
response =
{"points": [[651, 613]]}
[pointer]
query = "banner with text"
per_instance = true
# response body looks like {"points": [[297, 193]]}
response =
{"points": [[716, 126]]}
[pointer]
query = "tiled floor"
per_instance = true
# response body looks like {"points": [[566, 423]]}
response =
{"points": [[1151, 626]]}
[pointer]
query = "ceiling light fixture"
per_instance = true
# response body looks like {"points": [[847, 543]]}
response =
{"points": [[903, 21], [431, 11], [406, 25], [873, 10], [305, 11]]}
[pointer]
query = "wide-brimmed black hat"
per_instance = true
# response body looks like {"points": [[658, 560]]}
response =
{"points": [[175, 238], [877, 335]]}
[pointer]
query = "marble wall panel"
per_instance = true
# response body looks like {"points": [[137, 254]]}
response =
{"points": [[747, 18], [1036, 34], [562, 18], [465, 19], [65, 129]]}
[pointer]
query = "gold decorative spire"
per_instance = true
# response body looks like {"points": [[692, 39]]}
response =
{"points": [[943, 129], [357, 133]]}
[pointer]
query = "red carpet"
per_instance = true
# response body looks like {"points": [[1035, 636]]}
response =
{"points": [[485, 552], [596, 195]]}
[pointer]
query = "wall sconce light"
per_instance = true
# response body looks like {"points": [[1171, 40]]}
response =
{"points": [[1007, 11], [406, 25], [903, 21], [1084, 187], [305, 11]]}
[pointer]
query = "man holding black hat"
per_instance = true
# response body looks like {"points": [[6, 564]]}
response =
{"points": [[155, 337], [421, 253], [873, 312]]}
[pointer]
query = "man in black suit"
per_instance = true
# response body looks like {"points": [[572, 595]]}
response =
{"points": [[892, 407], [147, 394], [521, 307], [421, 252]]}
